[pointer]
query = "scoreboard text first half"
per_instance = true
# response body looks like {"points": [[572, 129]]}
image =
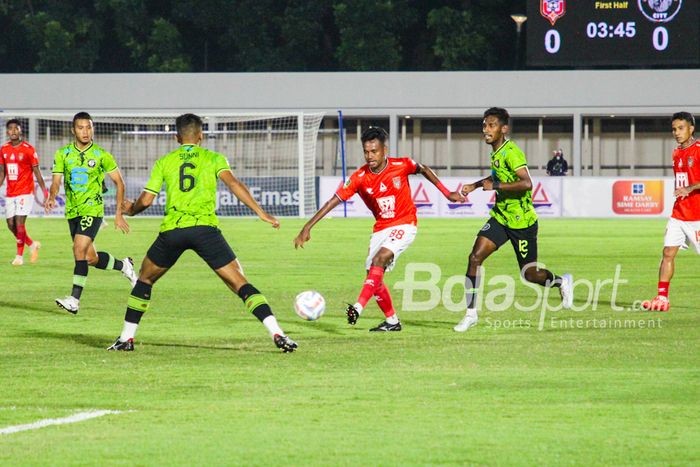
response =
{"points": [[630, 33]]}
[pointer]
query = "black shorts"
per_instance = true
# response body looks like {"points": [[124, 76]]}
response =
{"points": [[84, 225], [206, 241], [524, 241]]}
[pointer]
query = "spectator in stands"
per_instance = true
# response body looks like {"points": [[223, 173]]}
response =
{"points": [[557, 165]]}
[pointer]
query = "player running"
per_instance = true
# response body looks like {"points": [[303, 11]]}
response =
{"points": [[513, 217], [383, 185], [83, 164], [19, 163], [190, 174], [683, 227]]}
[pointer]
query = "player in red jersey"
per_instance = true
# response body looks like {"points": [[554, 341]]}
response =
{"points": [[383, 185], [19, 164], [683, 227]]}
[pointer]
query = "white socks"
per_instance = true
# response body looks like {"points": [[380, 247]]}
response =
{"points": [[272, 327], [128, 332], [393, 319]]}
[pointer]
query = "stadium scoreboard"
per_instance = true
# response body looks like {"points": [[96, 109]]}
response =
{"points": [[630, 33]]}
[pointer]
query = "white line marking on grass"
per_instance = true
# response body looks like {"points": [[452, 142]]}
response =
{"points": [[78, 417]]}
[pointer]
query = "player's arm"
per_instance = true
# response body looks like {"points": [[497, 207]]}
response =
{"points": [[305, 233], [681, 192], [141, 204], [2, 174], [428, 173], [240, 190], [119, 221], [40, 179], [469, 187], [53, 192], [523, 183]]}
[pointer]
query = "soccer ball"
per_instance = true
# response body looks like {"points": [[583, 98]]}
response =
{"points": [[309, 305]]}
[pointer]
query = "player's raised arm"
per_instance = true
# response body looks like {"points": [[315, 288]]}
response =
{"points": [[305, 233], [119, 221], [53, 192], [428, 173], [240, 190]]}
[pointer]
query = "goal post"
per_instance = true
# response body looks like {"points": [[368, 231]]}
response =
{"points": [[273, 153]]}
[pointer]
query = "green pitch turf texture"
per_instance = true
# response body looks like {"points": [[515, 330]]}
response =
{"points": [[206, 386]]}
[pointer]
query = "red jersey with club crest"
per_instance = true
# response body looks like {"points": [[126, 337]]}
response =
{"points": [[686, 169], [18, 162], [387, 193]]}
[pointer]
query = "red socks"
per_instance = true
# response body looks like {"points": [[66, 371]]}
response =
{"points": [[22, 239], [663, 288], [372, 283], [384, 300]]}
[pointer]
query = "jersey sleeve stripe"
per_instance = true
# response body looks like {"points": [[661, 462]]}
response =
{"points": [[222, 170], [151, 191], [520, 167]]}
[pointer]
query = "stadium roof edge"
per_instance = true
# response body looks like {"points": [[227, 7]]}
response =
{"points": [[589, 92]]}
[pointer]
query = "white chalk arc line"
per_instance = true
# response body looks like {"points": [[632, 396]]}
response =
{"points": [[75, 418]]}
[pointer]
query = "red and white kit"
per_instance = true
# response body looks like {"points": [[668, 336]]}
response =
{"points": [[19, 175], [388, 195], [683, 227]]}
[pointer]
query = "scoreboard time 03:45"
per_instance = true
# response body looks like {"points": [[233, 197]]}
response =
{"points": [[629, 33]]}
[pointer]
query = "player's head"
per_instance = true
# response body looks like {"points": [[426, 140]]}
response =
{"points": [[558, 153], [14, 130], [495, 125], [374, 147], [189, 128], [82, 127], [682, 126]]}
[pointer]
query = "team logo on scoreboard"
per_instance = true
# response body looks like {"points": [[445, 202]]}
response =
{"points": [[660, 11], [553, 9]]}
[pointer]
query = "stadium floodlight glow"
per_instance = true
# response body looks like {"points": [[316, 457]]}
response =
{"points": [[519, 19]]}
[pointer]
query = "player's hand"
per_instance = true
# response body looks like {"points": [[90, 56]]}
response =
{"points": [[45, 192], [49, 204], [270, 219], [456, 197], [127, 204], [121, 224], [681, 192], [303, 237], [487, 185], [466, 189]]}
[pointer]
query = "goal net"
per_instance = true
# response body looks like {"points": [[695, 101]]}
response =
{"points": [[274, 154]]}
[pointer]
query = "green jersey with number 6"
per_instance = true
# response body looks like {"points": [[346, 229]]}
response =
{"points": [[83, 173], [190, 174], [512, 209]]}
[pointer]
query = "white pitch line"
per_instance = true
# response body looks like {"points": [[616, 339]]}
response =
{"points": [[78, 417]]}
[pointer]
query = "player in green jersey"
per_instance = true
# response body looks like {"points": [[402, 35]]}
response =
{"points": [[190, 175], [513, 217], [82, 165]]}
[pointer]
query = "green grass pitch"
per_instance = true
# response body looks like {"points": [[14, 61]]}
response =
{"points": [[206, 386]]}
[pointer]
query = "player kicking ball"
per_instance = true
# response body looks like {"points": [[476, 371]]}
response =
{"points": [[684, 225], [190, 174], [513, 217], [383, 185]]}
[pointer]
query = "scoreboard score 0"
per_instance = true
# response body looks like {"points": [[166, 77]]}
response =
{"points": [[629, 33]]}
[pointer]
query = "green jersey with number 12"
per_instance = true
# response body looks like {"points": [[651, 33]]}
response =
{"points": [[512, 209], [190, 174]]}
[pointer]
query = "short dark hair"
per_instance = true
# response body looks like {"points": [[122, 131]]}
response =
{"points": [[11, 121], [687, 116], [81, 116], [500, 113], [374, 132], [188, 123]]}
